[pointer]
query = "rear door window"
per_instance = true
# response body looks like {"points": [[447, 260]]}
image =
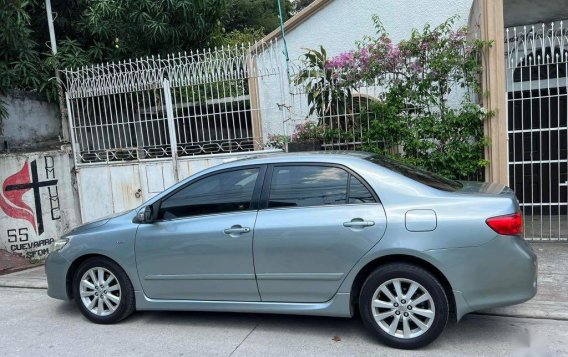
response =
{"points": [[358, 193], [304, 186]]}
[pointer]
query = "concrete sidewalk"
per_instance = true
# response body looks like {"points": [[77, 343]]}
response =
{"points": [[33, 278], [551, 302]]}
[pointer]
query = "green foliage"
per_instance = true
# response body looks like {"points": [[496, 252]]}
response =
{"points": [[241, 37], [21, 63], [254, 14], [99, 31], [326, 98], [134, 28], [414, 120]]}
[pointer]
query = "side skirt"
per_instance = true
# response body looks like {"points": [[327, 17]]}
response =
{"points": [[338, 306]]}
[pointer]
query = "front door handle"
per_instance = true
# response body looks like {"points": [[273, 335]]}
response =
{"points": [[358, 223], [236, 230]]}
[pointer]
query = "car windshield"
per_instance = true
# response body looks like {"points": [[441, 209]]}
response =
{"points": [[417, 174]]}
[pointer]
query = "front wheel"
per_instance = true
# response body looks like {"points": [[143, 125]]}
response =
{"points": [[404, 305], [103, 291]]}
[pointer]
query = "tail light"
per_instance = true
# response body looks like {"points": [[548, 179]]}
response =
{"points": [[509, 225]]}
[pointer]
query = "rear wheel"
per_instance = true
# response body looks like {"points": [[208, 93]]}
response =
{"points": [[404, 305], [103, 291]]}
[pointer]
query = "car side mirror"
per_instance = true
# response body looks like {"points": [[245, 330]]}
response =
{"points": [[148, 214]]}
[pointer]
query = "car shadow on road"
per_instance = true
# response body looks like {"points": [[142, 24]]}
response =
{"points": [[482, 329]]}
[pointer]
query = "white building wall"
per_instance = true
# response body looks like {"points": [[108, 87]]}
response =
{"points": [[340, 24]]}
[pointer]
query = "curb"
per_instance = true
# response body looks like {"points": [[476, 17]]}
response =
{"points": [[9, 271], [532, 309], [13, 283], [521, 316]]}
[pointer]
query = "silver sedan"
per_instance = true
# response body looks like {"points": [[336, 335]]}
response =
{"points": [[310, 234]]}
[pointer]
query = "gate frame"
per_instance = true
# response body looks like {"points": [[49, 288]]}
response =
{"points": [[486, 22]]}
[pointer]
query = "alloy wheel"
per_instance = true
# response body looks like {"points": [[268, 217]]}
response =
{"points": [[100, 291], [403, 308]]}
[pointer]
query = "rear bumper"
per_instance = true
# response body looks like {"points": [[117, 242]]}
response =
{"points": [[56, 271], [499, 273]]}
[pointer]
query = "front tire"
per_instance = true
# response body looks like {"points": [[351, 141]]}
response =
{"points": [[404, 305], [103, 292]]}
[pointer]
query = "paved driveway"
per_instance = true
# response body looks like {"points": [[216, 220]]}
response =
{"points": [[32, 324]]}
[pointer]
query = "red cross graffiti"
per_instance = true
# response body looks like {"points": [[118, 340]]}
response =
{"points": [[13, 190]]}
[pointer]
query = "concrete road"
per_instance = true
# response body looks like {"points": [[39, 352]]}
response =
{"points": [[32, 324]]}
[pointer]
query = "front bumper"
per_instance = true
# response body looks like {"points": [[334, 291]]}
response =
{"points": [[56, 268], [499, 273]]}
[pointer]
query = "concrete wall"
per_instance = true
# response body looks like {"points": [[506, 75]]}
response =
{"points": [[341, 23], [37, 204], [31, 123]]}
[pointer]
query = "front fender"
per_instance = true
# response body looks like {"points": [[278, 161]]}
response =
{"points": [[114, 240]]}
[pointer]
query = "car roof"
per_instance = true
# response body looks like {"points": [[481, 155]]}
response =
{"points": [[311, 156]]}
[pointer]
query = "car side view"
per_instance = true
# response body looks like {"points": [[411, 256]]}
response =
{"points": [[309, 234]]}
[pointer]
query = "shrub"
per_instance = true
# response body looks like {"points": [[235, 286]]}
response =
{"points": [[414, 119]]}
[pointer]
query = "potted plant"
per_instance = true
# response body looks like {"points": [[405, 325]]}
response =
{"points": [[307, 136], [277, 141]]}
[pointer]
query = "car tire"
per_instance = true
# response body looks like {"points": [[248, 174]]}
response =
{"points": [[102, 291], [404, 305]]}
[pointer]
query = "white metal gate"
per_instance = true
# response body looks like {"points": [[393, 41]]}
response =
{"points": [[140, 126], [537, 111]]}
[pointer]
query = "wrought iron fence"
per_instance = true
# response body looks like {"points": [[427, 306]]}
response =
{"points": [[345, 115], [537, 68], [216, 101], [185, 104]]}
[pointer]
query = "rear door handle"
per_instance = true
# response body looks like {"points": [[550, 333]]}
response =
{"points": [[358, 223], [236, 230]]}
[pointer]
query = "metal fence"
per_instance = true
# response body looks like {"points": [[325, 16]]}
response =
{"points": [[537, 111], [347, 117], [181, 105], [349, 114]]}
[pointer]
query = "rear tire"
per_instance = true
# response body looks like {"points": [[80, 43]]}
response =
{"points": [[404, 305], [103, 292]]}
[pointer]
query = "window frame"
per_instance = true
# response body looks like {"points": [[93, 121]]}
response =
{"points": [[255, 199], [267, 185]]}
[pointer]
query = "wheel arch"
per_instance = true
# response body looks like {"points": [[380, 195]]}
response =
{"points": [[75, 265], [401, 258]]}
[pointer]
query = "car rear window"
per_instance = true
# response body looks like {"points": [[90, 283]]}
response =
{"points": [[417, 174]]}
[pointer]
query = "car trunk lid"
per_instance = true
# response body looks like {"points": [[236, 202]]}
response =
{"points": [[473, 187]]}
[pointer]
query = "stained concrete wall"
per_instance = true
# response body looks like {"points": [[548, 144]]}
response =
{"points": [[37, 205], [31, 123]]}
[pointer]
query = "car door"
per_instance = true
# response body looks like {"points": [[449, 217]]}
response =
{"points": [[200, 247], [316, 222]]}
